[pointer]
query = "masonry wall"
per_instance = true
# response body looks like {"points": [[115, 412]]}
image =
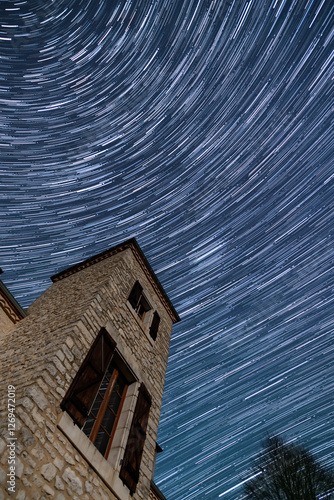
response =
{"points": [[40, 357]]}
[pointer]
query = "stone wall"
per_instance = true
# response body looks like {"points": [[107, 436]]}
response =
{"points": [[40, 357]]}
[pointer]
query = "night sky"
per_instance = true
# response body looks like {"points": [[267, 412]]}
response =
{"points": [[203, 129]]}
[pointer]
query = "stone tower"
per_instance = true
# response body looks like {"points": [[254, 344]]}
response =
{"points": [[82, 382]]}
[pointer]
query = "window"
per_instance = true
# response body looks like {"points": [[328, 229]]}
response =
{"points": [[129, 473], [155, 325], [141, 305], [100, 422], [95, 398], [138, 301]]}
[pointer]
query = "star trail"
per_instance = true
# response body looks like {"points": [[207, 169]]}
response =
{"points": [[204, 129]]}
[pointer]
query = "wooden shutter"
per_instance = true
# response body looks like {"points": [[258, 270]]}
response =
{"points": [[155, 325], [129, 473], [135, 294], [82, 392]]}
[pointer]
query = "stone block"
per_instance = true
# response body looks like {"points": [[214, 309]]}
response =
{"points": [[60, 355], [76, 353], [70, 344], [51, 369], [59, 463], [59, 485], [49, 448], [49, 435], [39, 435], [51, 416], [38, 453], [59, 448], [27, 437], [59, 365], [26, 419], [48, 490], [69, 459], [27, 403], [28, 471], [73, 481], [18, 468], [48, 471], [37, 396], [89, 487]]}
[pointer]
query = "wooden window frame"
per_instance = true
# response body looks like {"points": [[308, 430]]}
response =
{"points": [[102, 410], [138, 301], [141, 306], [78, 411], [130, 468], [78, 407], [154, 325]]}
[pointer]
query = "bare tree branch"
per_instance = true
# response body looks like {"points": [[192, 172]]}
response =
{"points": [[288, 472]]}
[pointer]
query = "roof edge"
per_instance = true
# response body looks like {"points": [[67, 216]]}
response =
{"points": [[157, 491], [19, 312], [138, 253]]}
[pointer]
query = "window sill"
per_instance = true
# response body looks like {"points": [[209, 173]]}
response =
{"points": [[102, 467]]}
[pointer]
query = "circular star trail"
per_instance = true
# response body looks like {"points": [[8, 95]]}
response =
{"points": [[202, 128]]}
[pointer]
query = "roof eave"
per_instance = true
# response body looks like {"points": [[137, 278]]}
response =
{"points": [[134, 246]]}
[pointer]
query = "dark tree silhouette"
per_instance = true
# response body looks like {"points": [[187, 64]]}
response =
{"points": [[285, 471]]}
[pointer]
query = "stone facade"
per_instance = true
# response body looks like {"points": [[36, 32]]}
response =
{"points": [[41, 355]]}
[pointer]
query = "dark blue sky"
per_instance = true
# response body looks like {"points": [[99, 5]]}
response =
{"points": [[202, 128]]}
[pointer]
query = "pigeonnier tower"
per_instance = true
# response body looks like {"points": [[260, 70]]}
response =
{"points": [[82, 382]]}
